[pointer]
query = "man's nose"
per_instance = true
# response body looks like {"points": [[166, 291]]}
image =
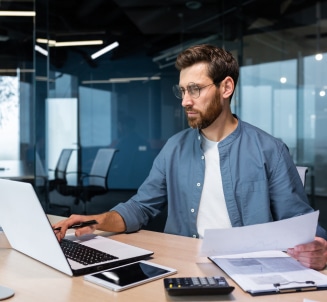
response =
{"points": [[187, 99]]}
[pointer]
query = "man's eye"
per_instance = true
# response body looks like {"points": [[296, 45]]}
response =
{"points": [[193, 89]]}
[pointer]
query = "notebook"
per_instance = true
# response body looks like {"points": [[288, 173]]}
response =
{"points": [[29, 231]]}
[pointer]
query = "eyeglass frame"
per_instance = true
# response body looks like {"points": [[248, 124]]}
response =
{"points": [[179, 92]]}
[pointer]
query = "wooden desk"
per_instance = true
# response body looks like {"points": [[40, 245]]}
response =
{"points": [[33, 281], [16, 170]]}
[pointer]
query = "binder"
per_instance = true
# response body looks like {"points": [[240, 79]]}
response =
{"points": [[270, 272]]}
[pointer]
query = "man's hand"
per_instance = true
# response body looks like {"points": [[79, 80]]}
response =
{"points": [[74, 219], [109, 221], [312, 255]]}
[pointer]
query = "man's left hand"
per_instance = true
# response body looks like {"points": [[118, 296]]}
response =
{"points": [[312, 255]]}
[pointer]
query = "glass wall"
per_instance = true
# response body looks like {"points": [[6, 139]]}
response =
{"points": [[127, 102], [17, 91], [293, 109]]}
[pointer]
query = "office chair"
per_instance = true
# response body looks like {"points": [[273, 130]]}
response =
{"points": [[302, 172], [41, 181], [60, 176], [60, 171], [41, 176], [93, 183]]}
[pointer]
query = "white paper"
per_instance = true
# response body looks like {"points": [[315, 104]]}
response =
{"points": [[278, 235], [272, 271]]}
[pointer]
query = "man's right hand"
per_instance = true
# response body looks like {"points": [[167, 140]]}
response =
{"points": [[65, 224], [110, 222]]}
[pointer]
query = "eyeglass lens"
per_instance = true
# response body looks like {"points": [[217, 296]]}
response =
{"points": [[192, 89]]}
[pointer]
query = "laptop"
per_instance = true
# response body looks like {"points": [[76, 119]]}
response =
{"points": [[29, 231]]}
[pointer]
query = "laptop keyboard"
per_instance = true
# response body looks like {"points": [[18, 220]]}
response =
{"points": [[83, 254]]}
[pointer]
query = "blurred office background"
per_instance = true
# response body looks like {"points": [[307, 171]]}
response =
{"points": [[56, 96]]}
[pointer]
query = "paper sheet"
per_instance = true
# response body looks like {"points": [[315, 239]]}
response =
{"points": [[269, 272], [277, 235]]}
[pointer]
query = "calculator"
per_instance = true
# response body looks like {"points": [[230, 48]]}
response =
{"points": [[197, 286]]}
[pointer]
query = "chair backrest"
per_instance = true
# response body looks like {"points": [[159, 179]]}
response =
{"points": [[39, 167], [40, 173], [100, 167], [302, 172], [62, 163]]}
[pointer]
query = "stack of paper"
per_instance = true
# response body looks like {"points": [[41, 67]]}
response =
{"points": [[254, 257]]}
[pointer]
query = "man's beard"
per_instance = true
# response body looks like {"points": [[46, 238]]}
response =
{"points": [[205, 118]]}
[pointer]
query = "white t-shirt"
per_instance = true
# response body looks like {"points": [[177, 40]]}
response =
{"points": [[212, 211]]}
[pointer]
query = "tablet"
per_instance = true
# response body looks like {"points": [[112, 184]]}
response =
{"points": [[129, 275]]}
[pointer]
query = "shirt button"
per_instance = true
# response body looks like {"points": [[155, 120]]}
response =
{"points": [[192, 210], [194, 236], [202, 157], [199, 137], [198, 184]]}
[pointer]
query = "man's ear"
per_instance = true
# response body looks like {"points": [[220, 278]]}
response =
{"points": [[228, 87]]}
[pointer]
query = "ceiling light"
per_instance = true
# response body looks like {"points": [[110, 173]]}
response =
{"points": [[122, 80], [17, 13], [78, 43], [16, 70], [41, 50], [118, 80], [44, 79], [54, 43], [46, 41], [283, 80], [104, 50], [319, 56]]}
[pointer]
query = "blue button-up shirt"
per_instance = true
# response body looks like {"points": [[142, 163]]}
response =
{"points": [[260, 182]]}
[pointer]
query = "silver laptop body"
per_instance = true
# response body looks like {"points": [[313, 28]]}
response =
{"points": [[29, 231]]}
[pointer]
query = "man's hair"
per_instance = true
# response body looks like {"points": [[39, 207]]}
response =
{"points": [[220, 63]]}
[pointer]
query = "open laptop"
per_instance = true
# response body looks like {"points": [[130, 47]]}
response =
{"points": [[29, 231]]}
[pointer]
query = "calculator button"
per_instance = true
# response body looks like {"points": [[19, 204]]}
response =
{"points": [[195, 281], [203, 281]]}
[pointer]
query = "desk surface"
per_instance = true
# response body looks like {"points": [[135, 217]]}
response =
{"points": [[15, 169], [34, 281]]}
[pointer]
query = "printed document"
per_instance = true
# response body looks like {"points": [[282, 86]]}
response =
{"points": [[269, 272], [277, 235], [253, 256]]}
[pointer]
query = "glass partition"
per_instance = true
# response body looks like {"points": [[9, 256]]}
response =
{"points": [[127, 96], [17, 90], [282, 88]]}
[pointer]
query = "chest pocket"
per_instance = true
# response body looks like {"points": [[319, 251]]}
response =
{"points": [[253, 202]]}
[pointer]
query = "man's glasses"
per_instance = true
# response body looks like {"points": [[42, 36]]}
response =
{"points": [[192, 89]]}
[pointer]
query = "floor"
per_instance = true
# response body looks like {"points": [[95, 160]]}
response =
{"points": [[64, 206]]}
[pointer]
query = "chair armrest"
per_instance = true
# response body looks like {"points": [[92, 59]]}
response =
{"points": [[91, 175], [85, 178]]}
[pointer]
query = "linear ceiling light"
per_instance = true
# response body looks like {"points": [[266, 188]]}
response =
{"points": [[46, 41], [44, 79], [54, 43], [17, 13], [104, 50], [122, 80], [78, 43], [41, 50], [17, 70]]}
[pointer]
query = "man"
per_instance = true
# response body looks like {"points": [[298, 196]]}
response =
{"points": [[221, 172]]}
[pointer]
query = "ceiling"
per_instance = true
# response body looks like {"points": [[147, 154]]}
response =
{"points": [[152, 27]]}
